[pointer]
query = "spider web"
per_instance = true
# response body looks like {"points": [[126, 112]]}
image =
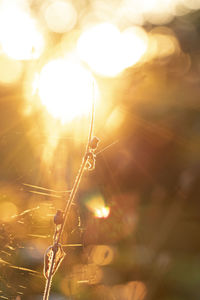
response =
{"points": [[23, 241]]}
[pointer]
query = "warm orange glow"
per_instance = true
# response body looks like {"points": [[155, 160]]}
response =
{"points": [[107, 51], [132, 290], [114, 120], [19, 36], [7, 210], [60, 16], [66, 89], [10, 70]]}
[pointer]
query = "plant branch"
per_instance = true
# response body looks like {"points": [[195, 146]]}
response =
{"points": [[53, 250]]}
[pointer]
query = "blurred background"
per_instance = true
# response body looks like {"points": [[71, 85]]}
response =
{"points": [[133, 232]]}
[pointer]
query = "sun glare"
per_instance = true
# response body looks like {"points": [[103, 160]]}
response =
{"points": [[66, 89], [19, 36], [108, 51]]}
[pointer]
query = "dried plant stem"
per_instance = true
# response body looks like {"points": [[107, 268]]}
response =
{"points": [[49, 280], [68, 206]]}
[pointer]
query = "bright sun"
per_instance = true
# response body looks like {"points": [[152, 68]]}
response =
{"points": [[66, 89]]}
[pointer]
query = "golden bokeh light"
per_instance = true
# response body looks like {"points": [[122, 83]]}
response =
{"points": [[133, 290], [19, 36], [178, 8], [154, 5], [131, 12], [126, 12], [91, 273], [60, 16], [10, 70], [101, 255], [162, 45], [191, 4], [102, 212], [158, 11], [98, 46], [81, 275], [108, 51], [96, 205], [66, 89], [135, 41], [7, 210]]}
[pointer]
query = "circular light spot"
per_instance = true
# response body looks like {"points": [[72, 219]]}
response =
{"points": [[60, 16]]}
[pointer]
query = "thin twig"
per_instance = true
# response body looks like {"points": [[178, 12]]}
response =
{"points": [[68, 205]]}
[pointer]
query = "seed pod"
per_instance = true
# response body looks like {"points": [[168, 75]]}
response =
{"points": [[48, 259], [94, 143], [58, 218], [90, 165]]}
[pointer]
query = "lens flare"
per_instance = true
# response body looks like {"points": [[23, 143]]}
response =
{"points": [[66, 89], [19, 36]]}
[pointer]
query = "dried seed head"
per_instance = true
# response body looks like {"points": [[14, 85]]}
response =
{"points": [[94, 143], [90, 164], [58, 218], [48, 259]]}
